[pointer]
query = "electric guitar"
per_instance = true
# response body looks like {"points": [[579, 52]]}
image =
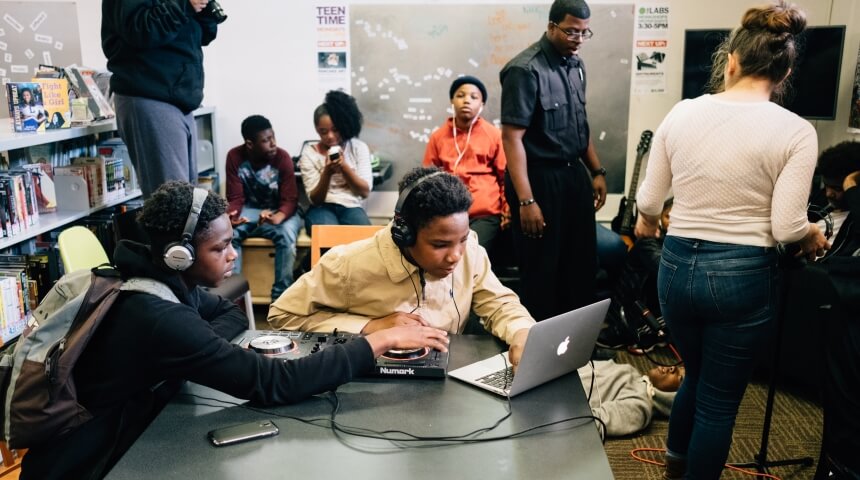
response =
{"points": [[625, 222]]}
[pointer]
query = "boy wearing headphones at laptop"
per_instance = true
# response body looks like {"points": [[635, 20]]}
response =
{"points": [[425, 269], [184, 334]]}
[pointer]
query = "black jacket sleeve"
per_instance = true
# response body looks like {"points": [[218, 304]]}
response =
{"points": [[148, 24], [226, 318], [187, 347], [209, 26]]}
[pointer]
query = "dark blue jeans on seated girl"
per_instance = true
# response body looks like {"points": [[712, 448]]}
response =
{"points": [[719, 301], [334, 214]]}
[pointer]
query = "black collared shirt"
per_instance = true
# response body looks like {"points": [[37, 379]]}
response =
{"points": [[545, 93]]}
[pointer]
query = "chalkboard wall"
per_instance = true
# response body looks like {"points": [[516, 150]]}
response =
{"points": [[404, 58]]}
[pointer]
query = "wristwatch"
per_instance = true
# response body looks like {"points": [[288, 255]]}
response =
{"points": [[599, 171]]}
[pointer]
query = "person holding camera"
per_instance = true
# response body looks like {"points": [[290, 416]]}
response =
{"points": [[336, 170], [155, 52]]}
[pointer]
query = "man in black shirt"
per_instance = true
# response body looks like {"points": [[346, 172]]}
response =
{"points": [[555, 181]]}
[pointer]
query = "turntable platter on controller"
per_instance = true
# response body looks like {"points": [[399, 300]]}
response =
{"points": [[271, 344]]}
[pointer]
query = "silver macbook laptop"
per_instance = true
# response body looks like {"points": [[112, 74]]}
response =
{"points": [[554, 347]]}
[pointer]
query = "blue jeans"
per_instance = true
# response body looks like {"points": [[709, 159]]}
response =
{"points": [[719, 301], [283, 236], [334, 214], [611, 250]]}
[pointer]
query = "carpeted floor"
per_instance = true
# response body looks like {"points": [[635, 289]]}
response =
{"points": [[795, 432]]}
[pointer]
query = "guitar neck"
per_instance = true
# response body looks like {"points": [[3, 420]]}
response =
{"points": [[634, 180], [627, 218]]}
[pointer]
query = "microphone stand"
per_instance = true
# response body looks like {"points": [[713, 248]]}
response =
{"points": [[760, 461]]}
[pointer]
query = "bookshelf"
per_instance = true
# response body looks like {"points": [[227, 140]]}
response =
{"points": [[51, 221], [10, 140]]}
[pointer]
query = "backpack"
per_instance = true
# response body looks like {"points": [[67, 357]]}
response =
{"points": [[37, 387]]}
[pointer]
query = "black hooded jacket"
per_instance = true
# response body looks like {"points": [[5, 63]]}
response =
{"points": [[155, 49], [847, 241], [145, 340]]}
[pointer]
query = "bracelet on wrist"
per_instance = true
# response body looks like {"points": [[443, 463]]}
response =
{"points": [[527, 202]]}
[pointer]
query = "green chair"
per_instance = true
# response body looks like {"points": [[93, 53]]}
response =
{"points": [[79, 248]]}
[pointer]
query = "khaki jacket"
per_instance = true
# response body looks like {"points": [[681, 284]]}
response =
{"points": [[353, 284]]}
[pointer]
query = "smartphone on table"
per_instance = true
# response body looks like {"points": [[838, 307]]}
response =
{"points": [[242, 433]]}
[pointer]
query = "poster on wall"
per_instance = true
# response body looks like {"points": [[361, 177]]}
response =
{"points": [[332, 26], [650, 48], [854, 111]]}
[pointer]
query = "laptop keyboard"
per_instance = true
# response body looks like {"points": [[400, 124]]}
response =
{"points": [[500, 379]]}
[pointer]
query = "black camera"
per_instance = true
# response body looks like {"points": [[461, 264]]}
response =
{"points": [[214, 11]]}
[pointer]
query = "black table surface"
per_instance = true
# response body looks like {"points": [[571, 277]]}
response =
{"points": [[175, 445]]}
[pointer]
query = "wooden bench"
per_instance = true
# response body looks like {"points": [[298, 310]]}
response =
{"points": [[258, 260]]}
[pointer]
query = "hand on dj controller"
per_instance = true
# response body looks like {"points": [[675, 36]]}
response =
{"points": [[394, 320], [406, 337]]}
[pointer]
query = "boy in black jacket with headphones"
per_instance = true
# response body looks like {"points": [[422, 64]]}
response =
{"points": [[145, 340], [425, 269]]}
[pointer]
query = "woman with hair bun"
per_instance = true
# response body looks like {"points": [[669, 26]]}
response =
{"points": [[740, 167], [336, 171]]}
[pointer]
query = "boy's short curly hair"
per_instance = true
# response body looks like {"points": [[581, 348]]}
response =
{"points": [[839, 160], [253, 125], [164, 214], [344, 113], [439, 196]]}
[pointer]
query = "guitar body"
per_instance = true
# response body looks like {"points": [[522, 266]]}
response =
{"points": [[616, 220], [625, 222]]}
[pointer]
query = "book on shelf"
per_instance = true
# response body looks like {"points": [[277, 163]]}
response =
{"points": [[48, 71], [25, 190], [42, 274], [19, 209], [25, 106], [24, 282], [85, 86], [96, 179], [55, 99], [43, 183], [81, 114], [18, 271], [14, 294], [115, 179], [9, 204]]}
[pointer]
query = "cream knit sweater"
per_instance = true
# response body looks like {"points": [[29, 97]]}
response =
{"points": [[740, 171]]}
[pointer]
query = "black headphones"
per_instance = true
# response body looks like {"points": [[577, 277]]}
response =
{"points": [[401, 232], [180, 255]]}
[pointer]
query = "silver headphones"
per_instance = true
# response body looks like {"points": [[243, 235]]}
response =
{"points": [[180, 255]]}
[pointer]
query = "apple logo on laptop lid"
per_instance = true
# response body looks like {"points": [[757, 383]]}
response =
{"points": [[562, 347]]}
